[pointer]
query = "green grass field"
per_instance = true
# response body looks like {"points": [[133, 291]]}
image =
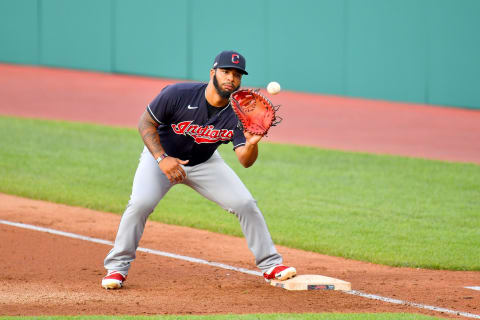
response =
{"points": [[383, 209]]}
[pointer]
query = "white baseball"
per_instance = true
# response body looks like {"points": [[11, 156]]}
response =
{"points": [[273, 87]]}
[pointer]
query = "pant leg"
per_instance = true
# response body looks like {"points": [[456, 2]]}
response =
{"points": [[149, 187], [216, 181]]}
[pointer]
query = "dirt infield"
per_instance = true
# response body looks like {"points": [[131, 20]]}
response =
{"points": [[46, 274]]}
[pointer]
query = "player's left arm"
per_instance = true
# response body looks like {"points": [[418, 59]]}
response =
{"points": [[248, 153]]}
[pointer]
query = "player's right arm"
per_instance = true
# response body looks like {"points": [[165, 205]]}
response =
{"points": [[171, 167], [147, 127]]}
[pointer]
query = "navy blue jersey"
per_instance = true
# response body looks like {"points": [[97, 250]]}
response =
{"points": [[184, 128]]}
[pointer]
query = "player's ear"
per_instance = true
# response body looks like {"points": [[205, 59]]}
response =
{"points": [[212, 72]]}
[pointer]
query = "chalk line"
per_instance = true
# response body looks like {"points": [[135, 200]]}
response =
{"points": [[228, 267]]}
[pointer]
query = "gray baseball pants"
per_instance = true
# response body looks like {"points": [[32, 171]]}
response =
{"points": [[214, 180]]}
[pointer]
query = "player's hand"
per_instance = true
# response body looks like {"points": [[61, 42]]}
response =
{"points": [[252, 138], [172, 168]]}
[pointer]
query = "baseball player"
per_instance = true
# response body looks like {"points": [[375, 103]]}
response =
{"points": [[182, 129]]}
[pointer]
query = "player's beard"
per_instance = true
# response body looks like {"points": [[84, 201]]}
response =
{"points": [[222, 93]]}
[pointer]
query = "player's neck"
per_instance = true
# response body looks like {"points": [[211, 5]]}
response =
{"points": [[213, 98]]}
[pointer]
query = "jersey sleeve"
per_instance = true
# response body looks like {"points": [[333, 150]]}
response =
{"points": [[162, 107], [238, 138]]}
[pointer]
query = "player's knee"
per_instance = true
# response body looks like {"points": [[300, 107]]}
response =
{"points": [[243, 205], [141, 206]]}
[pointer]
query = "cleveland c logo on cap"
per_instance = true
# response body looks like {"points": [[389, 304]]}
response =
{"points": [[235, 58]]}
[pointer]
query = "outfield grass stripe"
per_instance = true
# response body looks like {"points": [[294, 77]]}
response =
{"points": [[228, 267], [381, 209]]}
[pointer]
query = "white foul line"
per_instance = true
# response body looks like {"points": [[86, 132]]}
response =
{"points": [[242, 270], [413, 304], [152, 251], [474, 288]]}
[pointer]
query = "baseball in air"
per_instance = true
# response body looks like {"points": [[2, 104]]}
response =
{"points": [[273, 87]]}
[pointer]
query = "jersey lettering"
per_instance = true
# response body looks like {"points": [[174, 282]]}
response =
{"points": [[202, 134]]}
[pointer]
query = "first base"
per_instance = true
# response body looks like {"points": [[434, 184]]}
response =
{"points": [[312, 282]]}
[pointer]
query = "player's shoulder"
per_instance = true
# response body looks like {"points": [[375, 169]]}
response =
{"points": [[182, 88]]}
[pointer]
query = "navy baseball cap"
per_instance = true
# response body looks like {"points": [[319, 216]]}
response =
{"points": [[230, 59]]}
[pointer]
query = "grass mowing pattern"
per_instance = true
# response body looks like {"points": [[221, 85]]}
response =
{"points": [[279, 316], [383, 209]]}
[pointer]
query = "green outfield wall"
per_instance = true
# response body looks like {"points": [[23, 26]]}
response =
{"points": [[423, 51]]}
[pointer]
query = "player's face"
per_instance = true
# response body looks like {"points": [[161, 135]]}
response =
{"points": [[226, 81]]}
